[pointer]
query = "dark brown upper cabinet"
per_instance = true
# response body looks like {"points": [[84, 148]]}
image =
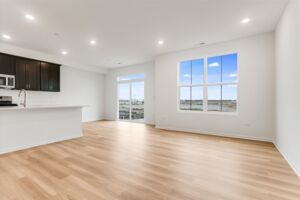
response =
{"points": [[7, 64], [31, 74], [50, 77], [28, 74], [20, 74]]}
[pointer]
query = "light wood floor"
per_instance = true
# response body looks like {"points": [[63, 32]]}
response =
{"points": [[123, 161]]}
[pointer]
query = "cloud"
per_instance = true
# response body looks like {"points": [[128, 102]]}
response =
{"points": [[215, 64], [123, 79], [187, 75], [232, 86], [232, 75]]}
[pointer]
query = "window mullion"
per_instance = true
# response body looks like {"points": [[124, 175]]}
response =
{"points": [[205, 95], [191, 97], [191, 85], [130, 99], [221, 83]]}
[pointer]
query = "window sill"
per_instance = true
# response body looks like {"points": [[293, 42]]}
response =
{"points": [[208, 112]]}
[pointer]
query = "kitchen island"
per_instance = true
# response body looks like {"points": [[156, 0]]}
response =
{"points": [[25, 127]]}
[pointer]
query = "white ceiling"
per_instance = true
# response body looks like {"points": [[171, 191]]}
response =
{"points": [[127, 31]]}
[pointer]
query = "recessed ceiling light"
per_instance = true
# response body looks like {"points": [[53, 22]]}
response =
{"points": [[92, 42], [64, 52], [161, 42], [30, 17], [246, 20], [5, 36]]}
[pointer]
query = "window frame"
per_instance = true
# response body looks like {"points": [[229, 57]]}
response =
{"points": [[205, 85], [130, 80], [130, 92]]}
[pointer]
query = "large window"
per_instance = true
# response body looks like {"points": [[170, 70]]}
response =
{"points": [[209, 84], [131, 97], [191, 85]]}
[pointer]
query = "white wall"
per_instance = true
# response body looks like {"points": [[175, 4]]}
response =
{"points": [[77, 87], [287, 87], [111, 90], [255, 119], [63, 60]]}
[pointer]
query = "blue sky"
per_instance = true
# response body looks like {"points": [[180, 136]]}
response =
{"points": [[137, 91], [220, 69]]}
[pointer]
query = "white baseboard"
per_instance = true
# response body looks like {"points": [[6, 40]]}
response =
{"points": [[203, 132], [151, 123], [215, 133], [92, 120], [209, 132], [290, 162]]}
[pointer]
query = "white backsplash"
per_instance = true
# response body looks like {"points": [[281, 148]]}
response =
{"points": [[77, 88], [33, 97]]}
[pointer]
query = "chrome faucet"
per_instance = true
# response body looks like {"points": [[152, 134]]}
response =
{"points": [[24, 101]]}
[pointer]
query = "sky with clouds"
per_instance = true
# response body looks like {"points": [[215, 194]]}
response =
{"points": [[219, 69]]}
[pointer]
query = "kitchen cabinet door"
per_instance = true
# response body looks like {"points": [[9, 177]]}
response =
{"points": [[54, 78], [50, 77], [28, 74], [33, 75], [7, 64], [20, 73]]}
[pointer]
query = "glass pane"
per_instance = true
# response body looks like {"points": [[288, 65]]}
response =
{"points": [[185, 73], [137, 101], [229, 68], [214, 98], [197, 98], [198, 71], [124, 101], [131, 77], [229, 98], [185, 98], [214, 69]]}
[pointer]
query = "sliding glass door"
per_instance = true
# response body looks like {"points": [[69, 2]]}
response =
{"points": [[137, 101], [124, 101], [131, 99]]}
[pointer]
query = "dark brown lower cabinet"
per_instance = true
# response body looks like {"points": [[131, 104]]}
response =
{"points": [[50, 77], [28, 74]]}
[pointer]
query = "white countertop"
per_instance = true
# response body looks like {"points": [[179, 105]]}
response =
{"points": [[28, 107]]}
